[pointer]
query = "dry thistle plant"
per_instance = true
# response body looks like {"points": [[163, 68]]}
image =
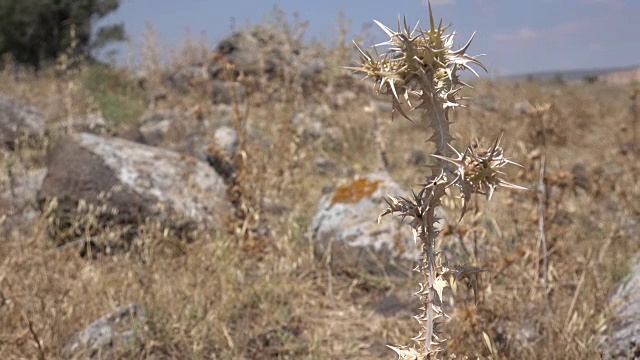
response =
{"points": [[420, 68]]}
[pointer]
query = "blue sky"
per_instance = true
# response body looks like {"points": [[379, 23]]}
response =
{"points": [[518, 36]]}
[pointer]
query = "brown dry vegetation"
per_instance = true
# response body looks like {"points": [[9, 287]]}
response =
{"points": [[222, 296]]}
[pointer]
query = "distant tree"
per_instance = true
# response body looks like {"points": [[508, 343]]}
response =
{"points": [[590, 79], [558, 79], [37, 31]]}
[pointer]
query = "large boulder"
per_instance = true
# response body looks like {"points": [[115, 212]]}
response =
{"points": [[126, 183], [256, 51], [122, 329], [345, 229], [19, 122]]}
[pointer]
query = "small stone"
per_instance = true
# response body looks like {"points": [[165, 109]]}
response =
{"points": [[522, 107], [344, 98], [324, 165], [313, 69], [581, 177], [226, 139], [153, 133], [155, 126], [120, 329], [93, 123], [306, 126]]}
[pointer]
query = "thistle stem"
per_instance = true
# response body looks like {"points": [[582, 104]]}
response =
{"points": [[437, 117], [440, 124], [429, 250]]}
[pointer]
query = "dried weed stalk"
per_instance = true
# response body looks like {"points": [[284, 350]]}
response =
{"points": [[243, 192], [634, 112], [66, 63], [419, 68]]}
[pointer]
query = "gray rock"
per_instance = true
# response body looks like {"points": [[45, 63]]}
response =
{"points": [[581, 176], [310, 124], [274, 207], [307, 126], [154, 133], [132, 182], [121, 329], [333, 138], [300, 119], [226, 139], [220, 154], [312, 69], [313, 130], [155, 126], [92, 123], [623, 341], [345, 228], [343, 98], [324, 166], [19, 121], [155, 97], [522, 107], [244, 50], [630, 226], [256, 51], [218, 150]]}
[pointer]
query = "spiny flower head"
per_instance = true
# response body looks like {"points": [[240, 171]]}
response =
{"points": [[415, 58], [477, 170]]}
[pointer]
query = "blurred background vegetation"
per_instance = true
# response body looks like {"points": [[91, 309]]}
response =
{"points": [[36, 32]]}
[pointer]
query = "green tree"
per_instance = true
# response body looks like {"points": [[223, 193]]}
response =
{"points": [[38, 31]]}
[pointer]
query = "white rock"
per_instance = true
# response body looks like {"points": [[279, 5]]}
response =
{"points": [[122, 328], [345, 227]]}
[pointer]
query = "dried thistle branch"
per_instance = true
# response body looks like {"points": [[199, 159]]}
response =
{"points": [[419, 68]]}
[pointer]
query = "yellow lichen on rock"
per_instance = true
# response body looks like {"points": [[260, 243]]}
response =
{"points": [[355, 191]]}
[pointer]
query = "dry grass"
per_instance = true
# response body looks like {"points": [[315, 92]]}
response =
{"points": [[216, 299]]}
